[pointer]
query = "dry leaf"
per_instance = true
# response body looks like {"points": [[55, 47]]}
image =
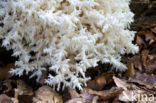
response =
{"points": [[100, 81], [95, 99], [16, 94], [131, 71], [151, 68], [7, 84], [120, 83], [139, 41], [86, 95], [152, 57], [130, 95], [73, 93], [78, 100], [23, 88], [144, 84], [21, 98], [148, 81], [151, 64], [153, 30], [5, 99], [105, 94], [14, 100], [45, 94], [137, 62], [149, 36], [144, 57]]}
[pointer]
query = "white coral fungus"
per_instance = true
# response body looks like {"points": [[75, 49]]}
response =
{"points": [[66, 36]]}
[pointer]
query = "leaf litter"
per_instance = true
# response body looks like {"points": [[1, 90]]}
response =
{"points": [[136, 84]]}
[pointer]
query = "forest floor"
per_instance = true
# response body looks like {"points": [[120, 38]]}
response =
{"points": [[136, 85]]}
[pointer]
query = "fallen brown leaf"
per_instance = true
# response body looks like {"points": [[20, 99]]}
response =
{"points": [[130, 95], [148, 81], [145, 27], [45, 94], [23, 88], [105, 94], [14, 100], [120, 83], [100, 81], [144, 57], [146, 36], [7, 85], [137, 62], [73, 93], [153, 30], [131, 71], [5, 99], [152, 57], [151, 68], [149, 36], [95, 99], [139, 41], [78, 100], [131, 92], [86, 95], [19, 97], [151, 64]]}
